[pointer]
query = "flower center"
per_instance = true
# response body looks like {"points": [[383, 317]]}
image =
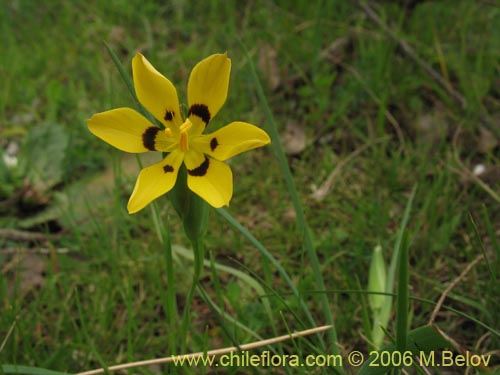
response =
{"points": [[184, 137]]}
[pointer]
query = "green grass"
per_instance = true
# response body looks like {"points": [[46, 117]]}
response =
{"points": [[94, 289]]}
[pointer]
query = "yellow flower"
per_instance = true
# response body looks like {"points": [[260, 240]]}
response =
{"points": [[203, 155]]}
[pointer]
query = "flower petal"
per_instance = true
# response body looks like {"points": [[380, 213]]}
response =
{"points": [[231, 140], [156, 93], [155, 181], [128, 130], [207, 89], [211, 179]]}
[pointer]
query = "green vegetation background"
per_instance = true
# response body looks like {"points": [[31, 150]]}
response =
{"points": [[83, 283]]}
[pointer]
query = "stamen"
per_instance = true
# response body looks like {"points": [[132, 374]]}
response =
{"points": [[183, 142], [184, 137], [186, 126], [168, 132]]}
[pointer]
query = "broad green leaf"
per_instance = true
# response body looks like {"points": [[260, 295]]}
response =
{"points": [[43, 156]]}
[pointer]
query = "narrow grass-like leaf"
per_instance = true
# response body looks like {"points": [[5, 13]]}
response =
{"points": [[236, 224], [480, 245], [163, 234], [216, 284], [424, 339], [402, 296], [385, 312], [251, 282], [126, 78], [29, 370], [223, 315], [277, 295], [495, 244], [85, 332], [130, 84], [220, 316], [198, 251], [490, 329], [300, 217], [367, 327]]}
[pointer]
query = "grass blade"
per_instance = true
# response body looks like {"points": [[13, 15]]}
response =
{"points": [[425, 339], [130, 84], [163, 233], [251, 282], [301, 220], [29, 370], [480, 245], [126, 78], [402, 297], [385, 312], [235, 223]]}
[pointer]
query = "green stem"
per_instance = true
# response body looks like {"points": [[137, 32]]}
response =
{"points": [[194, 214]]}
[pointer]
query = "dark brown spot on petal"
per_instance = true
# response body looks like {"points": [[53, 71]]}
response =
{"points": [[169, 115], [201, 170], [168, 168], [149, 136], [201, 111], [213, 144]]}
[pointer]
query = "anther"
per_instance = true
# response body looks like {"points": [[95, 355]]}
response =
{"points": [[186, 126]]}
